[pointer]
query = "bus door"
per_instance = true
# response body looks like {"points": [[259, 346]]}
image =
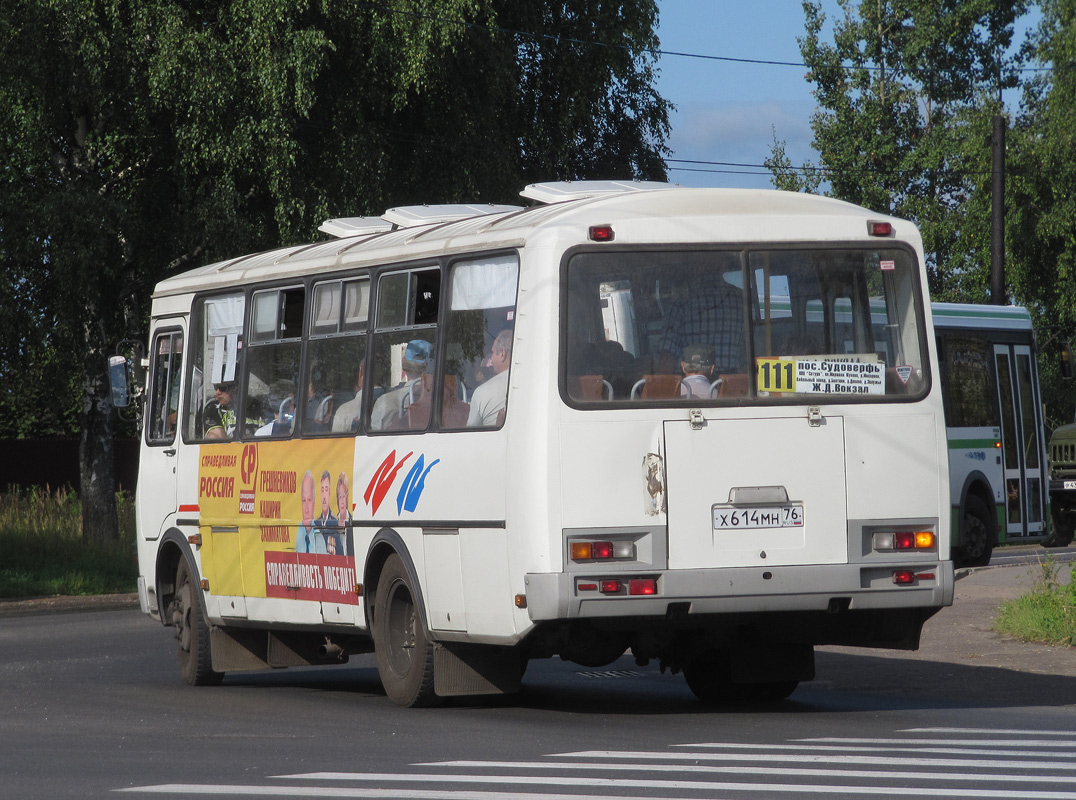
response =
{"points": [[160, 460], [1021, 441]]}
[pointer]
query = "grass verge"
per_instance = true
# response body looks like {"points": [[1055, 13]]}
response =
{"points": [[43, 552], [1047, 613]]}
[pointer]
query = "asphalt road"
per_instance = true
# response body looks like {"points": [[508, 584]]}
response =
{"points": [[92, 705]]}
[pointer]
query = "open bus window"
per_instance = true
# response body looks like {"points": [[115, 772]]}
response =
{"points": [[707, 326], [478, 353], [216, 343]]}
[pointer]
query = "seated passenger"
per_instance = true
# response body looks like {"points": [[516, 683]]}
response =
{"points": [[698, 368], [492, 396], [416, 360], [218, 416], [346, 417], [281, 409]]}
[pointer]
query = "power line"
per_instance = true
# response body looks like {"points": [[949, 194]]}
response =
{"points": [[648, 50]]}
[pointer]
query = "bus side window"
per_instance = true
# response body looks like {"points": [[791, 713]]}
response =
{"points": [[336, 352], [164, 400], [216, 340], [404, 343], [272, 394], [480, 341]]}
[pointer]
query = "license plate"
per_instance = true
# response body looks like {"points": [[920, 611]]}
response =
{"points": [[1070, 484], [731, 518]]}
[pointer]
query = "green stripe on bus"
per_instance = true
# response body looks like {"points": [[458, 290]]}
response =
{"points": [[971, 444]]}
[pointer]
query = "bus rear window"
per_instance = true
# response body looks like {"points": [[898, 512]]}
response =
{"points": [[700, 326]]}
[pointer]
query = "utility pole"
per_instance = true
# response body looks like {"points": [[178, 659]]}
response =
{"points": [[997, 214]]}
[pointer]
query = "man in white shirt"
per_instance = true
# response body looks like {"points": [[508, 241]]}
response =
{"points": [[492, 396]]}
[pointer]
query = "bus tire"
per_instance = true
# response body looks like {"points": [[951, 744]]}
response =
{"points": [[709, 676], [977, 534], [1064, 524], [192, 631], [401, 642]]}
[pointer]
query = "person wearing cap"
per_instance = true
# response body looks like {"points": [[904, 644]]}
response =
{"points": [[491, 397], [218, 416], [697, 365], [416, 360]]}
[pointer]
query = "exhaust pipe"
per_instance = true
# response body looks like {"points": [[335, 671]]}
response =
{"points": [[330, 651]]}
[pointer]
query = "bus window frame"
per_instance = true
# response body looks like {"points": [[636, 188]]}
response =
{"points": [[194, 332], [169, 331], [752, 399], [310, 337]]}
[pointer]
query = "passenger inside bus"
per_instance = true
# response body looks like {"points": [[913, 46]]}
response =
{"points": [[218, 416], [347, 415], [391, 406], [712, 311], [698, 368], [490, 399]]}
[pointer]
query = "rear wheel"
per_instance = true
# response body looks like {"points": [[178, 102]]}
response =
{"points": [[977, 534], [192, 632], [709, 676], [401, 641], [1063, 527]]}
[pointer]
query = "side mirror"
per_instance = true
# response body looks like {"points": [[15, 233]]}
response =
{"points": [[1067, 367], [126, 378], [117, 379]]}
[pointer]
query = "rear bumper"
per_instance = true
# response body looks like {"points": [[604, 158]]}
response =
{"points": [[739, 590]]}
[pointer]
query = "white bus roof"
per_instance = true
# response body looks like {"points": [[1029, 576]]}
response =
{"points": [[975, 315], [658, 213]]}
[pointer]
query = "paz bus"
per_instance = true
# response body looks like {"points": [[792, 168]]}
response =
{"points": [[465, 437], [997, 448]]}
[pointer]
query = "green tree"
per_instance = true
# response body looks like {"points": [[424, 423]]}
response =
{"points": [[1041, 218], [906, 93], [142, 137]]}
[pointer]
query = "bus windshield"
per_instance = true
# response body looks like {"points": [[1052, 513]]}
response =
{"points": [[765, 325]]}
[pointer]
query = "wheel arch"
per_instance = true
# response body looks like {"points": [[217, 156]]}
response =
{"points": [[385, 543], [173, 547]]}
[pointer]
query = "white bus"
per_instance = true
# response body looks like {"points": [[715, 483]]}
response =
{"points": [[466, 437], [997, 448]]}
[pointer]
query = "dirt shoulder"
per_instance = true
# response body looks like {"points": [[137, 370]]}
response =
{"points": [[46, 605]]}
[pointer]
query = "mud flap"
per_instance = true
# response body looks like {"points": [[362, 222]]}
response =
{"points": [[470, 669]]}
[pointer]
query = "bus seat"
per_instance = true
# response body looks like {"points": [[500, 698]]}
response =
{"points": [[594, 387], [656, 386], [454, 412], [732, 384]]}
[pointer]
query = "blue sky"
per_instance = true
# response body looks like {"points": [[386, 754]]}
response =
{"points": [[726, 111]]}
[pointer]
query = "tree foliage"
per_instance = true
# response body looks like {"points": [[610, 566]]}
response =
{"points": [[142, 137], [906, 93], [1041, 213]]}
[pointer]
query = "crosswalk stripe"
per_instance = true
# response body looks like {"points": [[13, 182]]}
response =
{"points": [[816, 759], [410, 793], [989, 731], [755, 770], [994, 742], [833, 748], [698, 786]]}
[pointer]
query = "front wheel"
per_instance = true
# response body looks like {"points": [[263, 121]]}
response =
{"points": [[192, 632], [401, 642]]}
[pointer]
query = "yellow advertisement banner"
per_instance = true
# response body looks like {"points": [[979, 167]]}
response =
{"points": [[274, 516]]}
